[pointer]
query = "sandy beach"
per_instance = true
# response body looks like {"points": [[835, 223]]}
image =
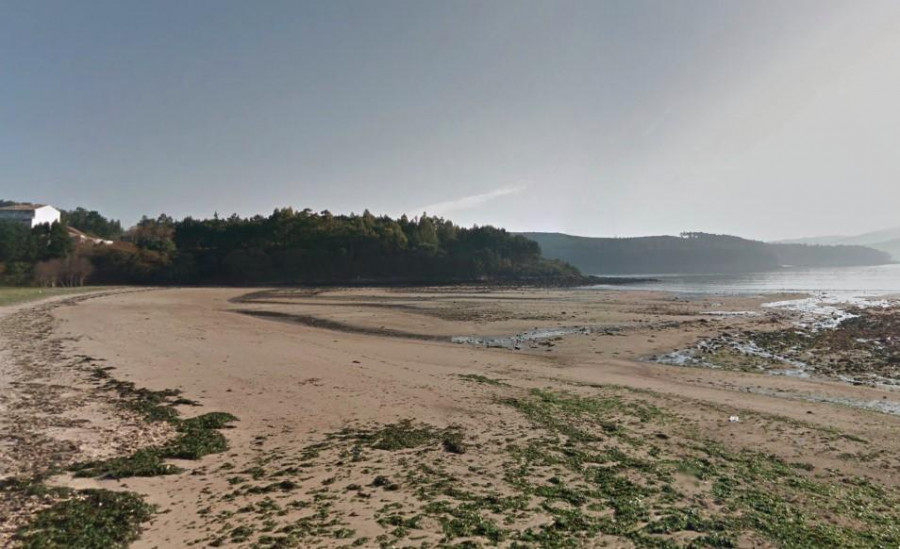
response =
{"points": [[324, 383]]}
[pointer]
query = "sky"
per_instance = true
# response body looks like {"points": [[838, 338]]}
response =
{"points": [[763, 118]]}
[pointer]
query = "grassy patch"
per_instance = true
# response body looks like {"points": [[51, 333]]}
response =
{"points": [[90, 519], [15, 295]]}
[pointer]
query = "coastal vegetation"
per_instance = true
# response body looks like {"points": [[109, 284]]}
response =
{"points": [[287, 247], [23, 248], [305, 247], [290, 247], [16, 295], [92, 222]]}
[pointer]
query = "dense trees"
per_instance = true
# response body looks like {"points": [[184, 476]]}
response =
{"points": [[21, 248], [46, 254], [72, 270], [305, 247], [290, 247], [92, 222]]}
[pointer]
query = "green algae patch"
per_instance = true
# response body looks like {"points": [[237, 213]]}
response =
{"points": [[197, 437], [89, 519], [606, 466]]}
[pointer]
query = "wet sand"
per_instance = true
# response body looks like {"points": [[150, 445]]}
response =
{"points": [[296, 365]]}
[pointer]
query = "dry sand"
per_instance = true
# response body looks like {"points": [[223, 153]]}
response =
{"points": [[290, 383]]}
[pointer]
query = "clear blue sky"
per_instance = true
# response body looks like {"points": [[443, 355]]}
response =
{"points": [[763, 118]]}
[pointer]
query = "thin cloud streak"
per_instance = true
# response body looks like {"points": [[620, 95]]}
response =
{"points": [[469, 202]]}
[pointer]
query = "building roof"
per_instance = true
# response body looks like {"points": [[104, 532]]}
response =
{"points": [[22, 207]]}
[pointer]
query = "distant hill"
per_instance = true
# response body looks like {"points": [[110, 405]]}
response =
{"points": [[887, 241], [695, 253], [865, 239], [891, 247]]}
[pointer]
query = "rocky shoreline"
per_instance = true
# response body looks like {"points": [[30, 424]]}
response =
{"points": [[860, 346]]}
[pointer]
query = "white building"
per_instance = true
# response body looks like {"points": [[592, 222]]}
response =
{"points": [[30, 214]]}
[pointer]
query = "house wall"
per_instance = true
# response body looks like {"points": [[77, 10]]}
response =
{"points": [[47, 214], [21, 217], [32, 218]]}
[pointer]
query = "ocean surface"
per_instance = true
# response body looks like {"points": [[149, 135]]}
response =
{"points": [[846, 281]]}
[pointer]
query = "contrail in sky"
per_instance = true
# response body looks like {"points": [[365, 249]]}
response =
{"points": [[469, 202]]}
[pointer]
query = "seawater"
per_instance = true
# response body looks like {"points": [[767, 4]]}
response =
{"points": [[847, 282]]}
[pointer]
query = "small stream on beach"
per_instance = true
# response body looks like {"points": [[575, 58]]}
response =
{"points": [[516, 341]]}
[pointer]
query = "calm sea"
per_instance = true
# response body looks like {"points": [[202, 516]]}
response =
{"points": [[856, 281]]}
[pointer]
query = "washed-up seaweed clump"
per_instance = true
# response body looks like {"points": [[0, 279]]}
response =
{"points": [[406, 434], [101, 518], [605, 468], [628, 468], [88, 519], [484, 380], [279, 484], [196, 437]]}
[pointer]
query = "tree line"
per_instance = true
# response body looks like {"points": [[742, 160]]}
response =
{"points": [[23, 249], [286, 247], [306, 247], [92, 222]]}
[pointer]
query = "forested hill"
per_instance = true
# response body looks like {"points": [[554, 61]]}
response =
{"points": [[290, 247], [694, 253], [287, 247], [804, 255]]}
